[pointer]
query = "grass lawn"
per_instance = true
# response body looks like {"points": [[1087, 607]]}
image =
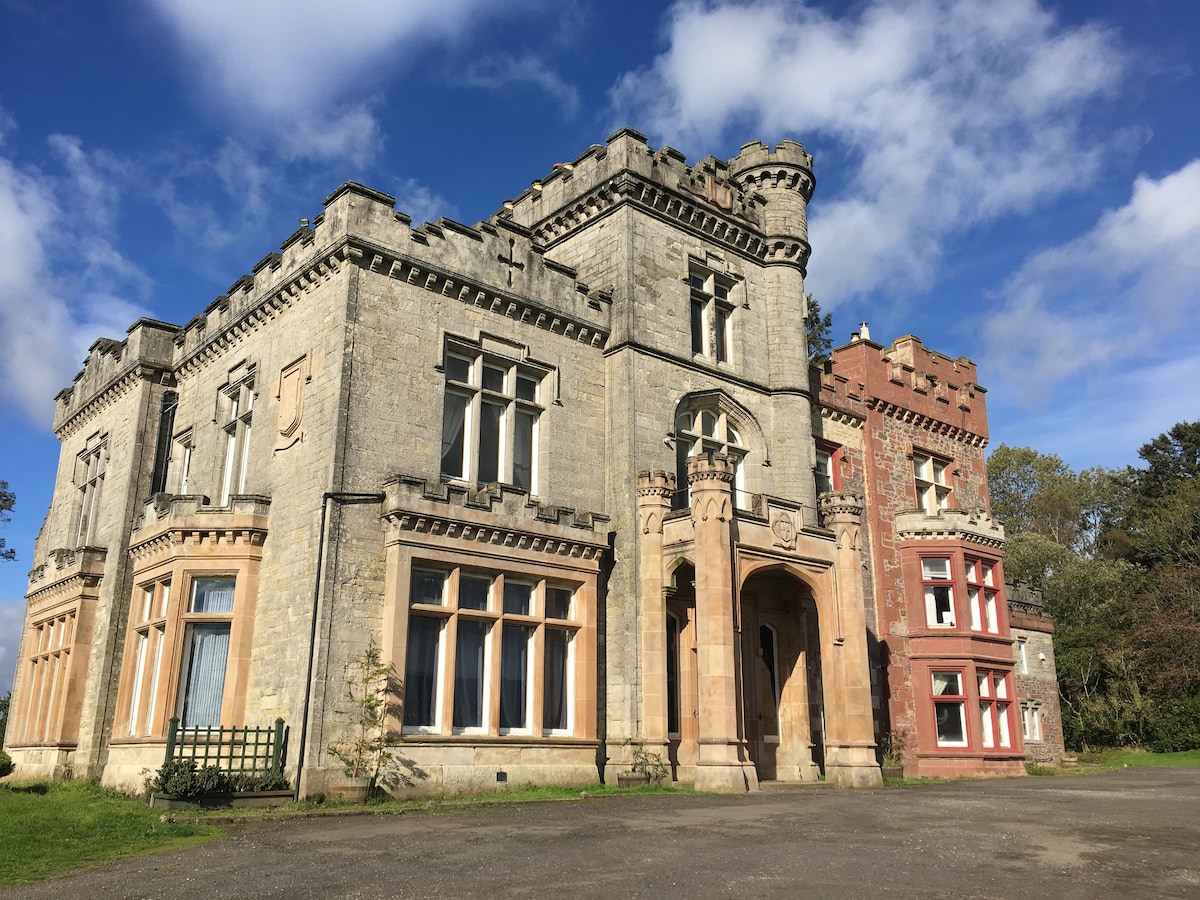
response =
{"points": [[1156, 760], [53, 826]]}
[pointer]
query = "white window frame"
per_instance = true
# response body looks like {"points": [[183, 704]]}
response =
{"points": [[237, 409], [931, 581], [90, 467], [932, 487], [950, 701], [710, 313], [450, 613], [513, 401], [704, 429]]}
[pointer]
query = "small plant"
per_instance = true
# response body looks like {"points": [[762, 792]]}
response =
{"points": [[371, 688], [6, 764], [891, 746], [181, 778], [648, 763]]}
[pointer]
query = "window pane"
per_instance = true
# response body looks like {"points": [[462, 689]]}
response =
{"points": [[950, 726], [204, 678], [490, 416], [420, 671], [935, 568], [697, 326], [428, 587], [468, 674], [555, 693], [473, 591], [1002, 724], [527, 389], [523, 429], [212, 595], [985, 722], [517, 598], [558, 603], [721, 350], [493, 379], [458, 369], [454, 435], [947, 683], [514, 676], [708, 423], [939, 605]]}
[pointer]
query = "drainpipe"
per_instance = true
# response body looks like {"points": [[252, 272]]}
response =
{"points": [[337, 497]]}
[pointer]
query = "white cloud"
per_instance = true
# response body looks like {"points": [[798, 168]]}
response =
{"points": [[1109, 303], [503, 71], [947, 113], [12, 617], [291, 69], [420, 203], [71, 283]]}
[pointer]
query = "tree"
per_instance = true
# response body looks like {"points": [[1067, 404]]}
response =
{"points": [[1035, 493], [1171, 459], [817, 327], [7, 500]]}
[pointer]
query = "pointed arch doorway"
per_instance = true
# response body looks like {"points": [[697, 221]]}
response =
{"points": [[781, 684]]}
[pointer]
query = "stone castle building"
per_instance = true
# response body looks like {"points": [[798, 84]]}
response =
{"points": [[569, 469]]}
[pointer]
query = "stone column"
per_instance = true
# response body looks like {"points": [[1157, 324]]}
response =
{"points": [[654, 490], [722, 765], [850, 731]]}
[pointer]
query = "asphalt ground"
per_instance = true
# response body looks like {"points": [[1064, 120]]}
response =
{"points": [[1131, 833]]}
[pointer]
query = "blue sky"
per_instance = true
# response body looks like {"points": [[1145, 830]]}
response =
{"points": [[1013, 181]]}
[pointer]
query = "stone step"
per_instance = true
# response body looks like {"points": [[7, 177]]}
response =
{"points": [[793, 787]]}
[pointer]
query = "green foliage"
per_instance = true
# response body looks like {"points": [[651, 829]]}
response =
{"points": [[372, 687], [4, 704], [1035, 769], [817, 327], [7, 501], [6, 764], [182, 779], [1176, 727], [52, 827], [648, 763], [1117, 556]]}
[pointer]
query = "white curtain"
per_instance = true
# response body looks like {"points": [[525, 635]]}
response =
{"points": [[209, 652]]}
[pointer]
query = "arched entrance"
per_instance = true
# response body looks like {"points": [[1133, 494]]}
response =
{"points": [[782, 696]]}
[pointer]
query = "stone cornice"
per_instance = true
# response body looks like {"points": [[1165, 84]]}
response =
{"points": [[171, 524], [842, 417], [81, 573], [119, 386], [315, 272], [926, 422], [970, 526], [456, 286], [500, 517], [693, 214]]}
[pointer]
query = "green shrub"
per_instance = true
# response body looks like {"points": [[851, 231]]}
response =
{"points": [[1175, 727], [6, 764], [261, 781], [181, 778]]}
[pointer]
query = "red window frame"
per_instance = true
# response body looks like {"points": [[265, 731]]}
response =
{"points": [[995, 709], [983, 596]]}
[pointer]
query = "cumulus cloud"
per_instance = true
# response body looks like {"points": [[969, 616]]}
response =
{"points": [[12, 618], [421, 203], [505, 70], [71, 283], [943, 114], [290, 68], [1109, 301]]}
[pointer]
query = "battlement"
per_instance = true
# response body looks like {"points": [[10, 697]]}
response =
{"points": [[787, 167], [911, 382]]}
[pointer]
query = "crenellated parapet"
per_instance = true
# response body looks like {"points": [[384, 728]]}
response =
{"points": [[972, 526]]}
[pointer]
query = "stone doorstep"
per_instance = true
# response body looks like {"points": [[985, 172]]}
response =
{"points": [[794, 787]]}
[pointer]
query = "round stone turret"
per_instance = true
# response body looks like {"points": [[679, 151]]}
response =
{"points": [[784, 177]]}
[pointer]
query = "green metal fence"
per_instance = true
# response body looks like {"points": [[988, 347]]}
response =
{"points": [[251, 749]]}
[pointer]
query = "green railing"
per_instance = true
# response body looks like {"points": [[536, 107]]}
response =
{"points": [[251, 749]]}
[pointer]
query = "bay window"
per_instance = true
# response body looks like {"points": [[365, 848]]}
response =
{"points": [[995, 728], [489, 653], [939, 592], [949, 708], [982, 597]]}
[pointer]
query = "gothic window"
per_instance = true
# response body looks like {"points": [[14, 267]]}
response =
{"points": [[237, 407], [162, 447], [489, 653], [708, 431], [491, 419], [711, 314], [89, 476], [939, 592], [929, 473], [949, 708], [982, 597], [995, 729]]}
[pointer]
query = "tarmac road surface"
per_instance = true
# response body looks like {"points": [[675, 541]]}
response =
{"points": [[1132, 833]]}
